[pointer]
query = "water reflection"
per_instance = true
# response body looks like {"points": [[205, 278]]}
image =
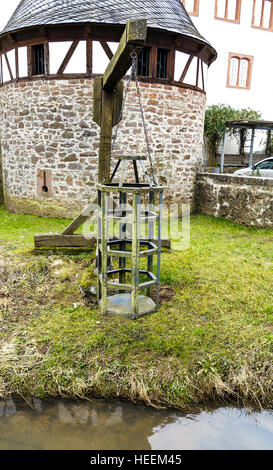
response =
{"points": [[99, 425]]}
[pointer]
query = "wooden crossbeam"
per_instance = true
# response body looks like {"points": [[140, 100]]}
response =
{"points": [[68, 56], [133, 38]]}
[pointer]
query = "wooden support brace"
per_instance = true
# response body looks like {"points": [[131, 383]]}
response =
{"points": [[8, 65], [184, 73], [68, 57], [107, 49]]}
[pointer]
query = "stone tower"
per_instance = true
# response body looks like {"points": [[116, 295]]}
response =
{"points": [[50, 52]]}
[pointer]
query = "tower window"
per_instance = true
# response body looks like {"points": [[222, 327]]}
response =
{"points": [[38, 60], [228, 10], [239, 71], [192, 7], [262, 16], [162, 61], [143, 62]]}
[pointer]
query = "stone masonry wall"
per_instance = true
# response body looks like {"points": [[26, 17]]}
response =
{"points": [[245, 200], [47, 129], [1, 181]]}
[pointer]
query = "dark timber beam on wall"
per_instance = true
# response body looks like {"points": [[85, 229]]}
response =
{"points": [[46, 53], [89, 56], [8, 65], [197, 72], [202, 72], [170, 64], [29, 61], [69, 32], [184, 73], [68, 56], [1, 69], [11, 40], [153, 62], [16, 63], [107, 49]]}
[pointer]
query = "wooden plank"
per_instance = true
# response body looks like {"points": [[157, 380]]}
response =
{"points": [[107, 49], [133, 38], [56, 240], [184, 73], [68, 56], [60, 240]]}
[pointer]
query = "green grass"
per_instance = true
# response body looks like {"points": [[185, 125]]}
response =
{"points": [[213, 340]]}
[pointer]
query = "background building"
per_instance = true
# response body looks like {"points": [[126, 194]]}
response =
{"points": [[242, 31]]}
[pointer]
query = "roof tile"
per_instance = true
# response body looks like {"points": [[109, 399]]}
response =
{"points": [[169, 15]]}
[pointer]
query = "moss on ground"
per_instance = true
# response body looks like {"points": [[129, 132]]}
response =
{"points": [[211, 341]]}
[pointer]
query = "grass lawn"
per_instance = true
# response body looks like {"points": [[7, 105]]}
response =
{"points": [[211, 341]]}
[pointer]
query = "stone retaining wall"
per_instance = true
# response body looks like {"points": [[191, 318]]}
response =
{"points": [[245, 200], [47, 131]]}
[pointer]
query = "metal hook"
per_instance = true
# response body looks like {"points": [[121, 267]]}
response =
{"points": [[134, 55]]}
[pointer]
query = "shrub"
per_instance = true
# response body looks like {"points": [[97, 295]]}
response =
{"points": [[216, 118]]}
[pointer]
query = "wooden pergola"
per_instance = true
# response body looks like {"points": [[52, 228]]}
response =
{"points": [[249, 125]]}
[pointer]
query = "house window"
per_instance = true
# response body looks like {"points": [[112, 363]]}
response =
{"points": [[228, 10], [239, 71], [38, 60], [162, 61], [192, 7], [262, 16], [143, 62]]}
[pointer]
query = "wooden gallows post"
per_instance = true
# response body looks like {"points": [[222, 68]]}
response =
{"points": [[108, 90]]}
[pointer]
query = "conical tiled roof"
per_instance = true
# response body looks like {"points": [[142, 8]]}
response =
{"points": [[168, 15]]}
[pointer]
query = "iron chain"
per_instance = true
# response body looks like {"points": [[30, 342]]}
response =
{"points": [[132, 77]]}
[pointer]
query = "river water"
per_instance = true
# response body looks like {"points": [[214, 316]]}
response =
{"points": [[100, 425]]}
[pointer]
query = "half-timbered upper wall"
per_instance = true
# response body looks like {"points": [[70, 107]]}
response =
{"points": [[80, 58]]}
